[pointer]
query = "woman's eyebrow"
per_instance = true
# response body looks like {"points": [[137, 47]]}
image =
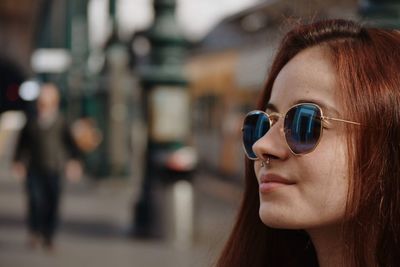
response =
{"points": [[271, 107]]}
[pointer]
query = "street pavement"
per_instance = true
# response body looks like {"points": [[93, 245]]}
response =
{"points": [[96, 219]]}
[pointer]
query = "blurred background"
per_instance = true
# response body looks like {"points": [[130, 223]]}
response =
{"points": [[154, 93]]}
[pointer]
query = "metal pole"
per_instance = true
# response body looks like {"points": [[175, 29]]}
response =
{"points": [[166, 111]]}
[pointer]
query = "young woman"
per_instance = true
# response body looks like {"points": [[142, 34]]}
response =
{"points": [[323, 149]]}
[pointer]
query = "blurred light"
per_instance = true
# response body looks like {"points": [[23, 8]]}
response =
{"points": [[99, 27], [197, 18], [50, 60], [133, 15], [29, 90]]}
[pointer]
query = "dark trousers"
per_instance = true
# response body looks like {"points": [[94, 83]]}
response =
{"points": [[43, 191]]}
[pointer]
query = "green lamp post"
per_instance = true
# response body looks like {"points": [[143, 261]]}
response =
{"points": [[166, 111]]}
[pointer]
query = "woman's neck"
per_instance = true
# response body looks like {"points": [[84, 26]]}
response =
{"points": [[329, 246]]}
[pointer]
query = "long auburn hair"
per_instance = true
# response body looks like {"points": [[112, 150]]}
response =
{"points": [[367, 61]]}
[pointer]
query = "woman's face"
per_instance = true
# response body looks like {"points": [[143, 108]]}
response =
{"points": [[314, 188]]}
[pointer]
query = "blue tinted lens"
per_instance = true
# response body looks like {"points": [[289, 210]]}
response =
{"points": [[255, 126], [303, 128]]}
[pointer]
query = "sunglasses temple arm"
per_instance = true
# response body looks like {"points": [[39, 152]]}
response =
{"points": [[346, 121]]}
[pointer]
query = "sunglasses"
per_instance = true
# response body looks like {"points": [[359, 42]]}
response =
{"points": [[302, 125]]}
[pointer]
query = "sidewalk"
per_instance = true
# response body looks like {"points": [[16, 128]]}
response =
{"points": [[95, 221]]}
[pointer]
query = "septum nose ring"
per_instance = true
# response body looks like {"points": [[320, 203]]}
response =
{"points": [[265, 162]]}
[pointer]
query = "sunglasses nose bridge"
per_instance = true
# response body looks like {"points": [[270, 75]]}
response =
{"points": [[277, 120]]}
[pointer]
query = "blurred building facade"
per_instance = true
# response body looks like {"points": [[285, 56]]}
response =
{"points": [[228, 68]]}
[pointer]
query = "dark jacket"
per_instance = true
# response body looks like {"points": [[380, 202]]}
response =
{"points": [[45, 150]]}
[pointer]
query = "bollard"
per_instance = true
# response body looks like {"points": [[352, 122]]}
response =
{"points": [[183, 211]]}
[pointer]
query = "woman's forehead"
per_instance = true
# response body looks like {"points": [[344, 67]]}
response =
{"points": [[309, 76]]}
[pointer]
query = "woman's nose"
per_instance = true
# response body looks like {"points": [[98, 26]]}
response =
{"points": [[272, 144]]}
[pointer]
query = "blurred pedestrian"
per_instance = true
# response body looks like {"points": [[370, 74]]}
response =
{"points": [[44, 144], [323, 167]]}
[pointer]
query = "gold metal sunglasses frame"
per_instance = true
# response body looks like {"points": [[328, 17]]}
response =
{"points": [[278, 115]]}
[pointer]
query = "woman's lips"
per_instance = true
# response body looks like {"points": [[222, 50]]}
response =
{"points": [[270, 182]]}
